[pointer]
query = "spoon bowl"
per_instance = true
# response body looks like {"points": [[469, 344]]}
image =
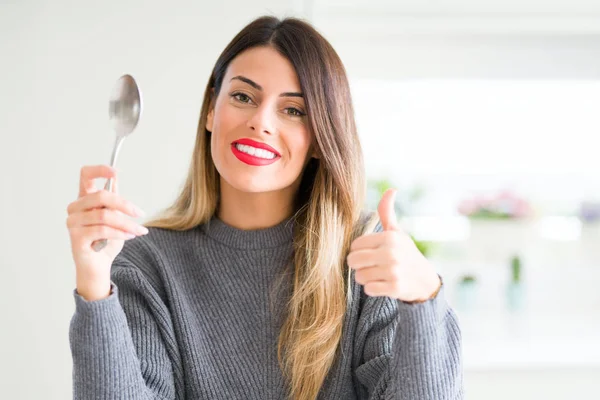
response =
{"points": [[125, 105]]}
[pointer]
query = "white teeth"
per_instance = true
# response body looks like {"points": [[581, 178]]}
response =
{"points": [[253, 151]]}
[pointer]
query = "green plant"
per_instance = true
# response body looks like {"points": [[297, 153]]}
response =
{"points": [[423, 246], [468, 279], [381, 185], [516, 269], [489, 214], [404, 198]]}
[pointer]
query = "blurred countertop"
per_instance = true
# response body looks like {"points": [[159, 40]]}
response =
{"points": [[556, 325], [530, 341]]}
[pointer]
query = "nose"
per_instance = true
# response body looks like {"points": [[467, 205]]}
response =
{"points": [[262, 120]]}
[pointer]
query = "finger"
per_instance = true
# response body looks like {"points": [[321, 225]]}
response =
{"points": [[107, 217], [374, 274], [376, 240], [364, 258], [386, 211], [104, 199], [379, 288], [85, 235], [91, 172], [115, 184]]}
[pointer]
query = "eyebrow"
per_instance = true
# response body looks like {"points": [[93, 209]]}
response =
{"points": [[258, 87]]}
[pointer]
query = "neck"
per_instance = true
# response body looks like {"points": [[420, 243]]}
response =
{"points": [[249, 211]]}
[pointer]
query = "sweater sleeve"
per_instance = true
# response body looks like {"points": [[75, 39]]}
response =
{"points": [[408, 351], [121, 345]]}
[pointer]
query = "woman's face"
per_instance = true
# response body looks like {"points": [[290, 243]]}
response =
{"points": [[260, 138]]}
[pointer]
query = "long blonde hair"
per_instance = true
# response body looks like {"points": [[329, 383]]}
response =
{"points": [[328, 203]]}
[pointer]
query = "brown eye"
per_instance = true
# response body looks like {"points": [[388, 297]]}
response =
{"points": [[241, 97], [294, 112]]}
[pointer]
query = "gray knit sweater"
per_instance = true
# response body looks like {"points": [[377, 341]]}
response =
{"points": [[196, 315]]}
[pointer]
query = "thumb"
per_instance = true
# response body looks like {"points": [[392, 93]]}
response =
{"points": [[386, 211]]}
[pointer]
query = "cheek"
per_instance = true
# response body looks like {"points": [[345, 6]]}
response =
{"points": [[225, 118], [299, 143]]}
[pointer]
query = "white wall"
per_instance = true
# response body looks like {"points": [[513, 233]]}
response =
{"points": [[58, 62]]}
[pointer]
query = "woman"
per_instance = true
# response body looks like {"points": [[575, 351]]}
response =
{"points": [[264, 280]]}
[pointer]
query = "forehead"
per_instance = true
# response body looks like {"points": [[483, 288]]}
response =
{"points": [[265, 66]]}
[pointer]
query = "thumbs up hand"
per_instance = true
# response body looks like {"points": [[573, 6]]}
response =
{"points": [[389, 264]]}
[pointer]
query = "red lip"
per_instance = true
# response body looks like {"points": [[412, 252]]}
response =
{"points": [[251, 160], [258, 145]]}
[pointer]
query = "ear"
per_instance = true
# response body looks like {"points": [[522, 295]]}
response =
{"points": [[210, 119], [314, 151], [211, 114]]}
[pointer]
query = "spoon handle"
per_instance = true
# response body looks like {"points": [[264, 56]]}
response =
{"points": [[98, 245]]}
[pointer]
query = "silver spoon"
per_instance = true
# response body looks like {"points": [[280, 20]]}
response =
{"points": [[124, 110]]}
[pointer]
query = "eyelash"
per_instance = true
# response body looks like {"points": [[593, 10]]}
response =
{"points": [[298, 112], [237, 95]]}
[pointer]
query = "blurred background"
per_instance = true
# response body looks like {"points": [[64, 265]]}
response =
{"points": [[483, 114]]}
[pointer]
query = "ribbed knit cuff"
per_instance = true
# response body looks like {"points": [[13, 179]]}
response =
{"points": [[99, 320], [423, 319]]}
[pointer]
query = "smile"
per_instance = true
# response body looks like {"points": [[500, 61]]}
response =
{"points": [[254, 153]]}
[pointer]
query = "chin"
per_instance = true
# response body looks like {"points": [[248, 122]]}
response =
{"points": [[255, 179], [252, 184]]}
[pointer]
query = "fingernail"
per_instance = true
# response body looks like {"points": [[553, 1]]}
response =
{"points": [[142, 230]]}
